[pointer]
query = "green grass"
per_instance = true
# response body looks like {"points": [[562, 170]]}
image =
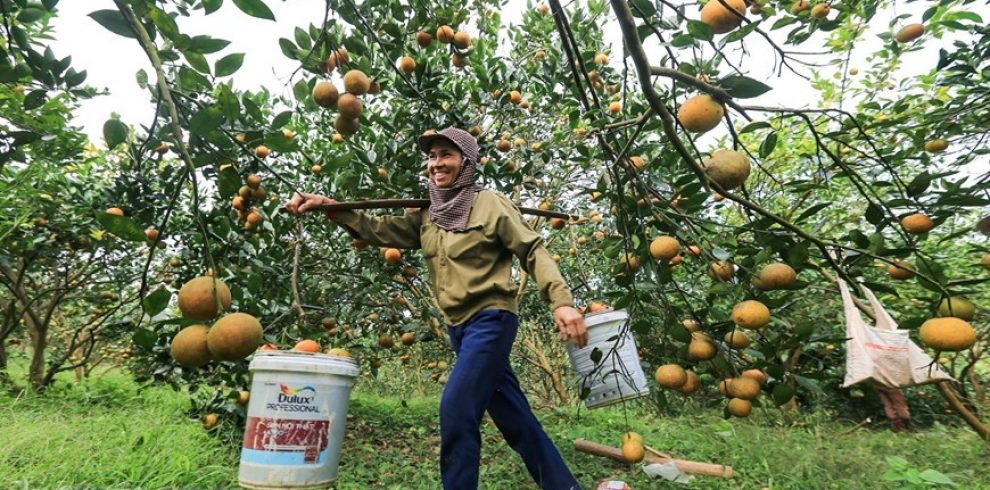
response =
{"points": [[106, 433]]}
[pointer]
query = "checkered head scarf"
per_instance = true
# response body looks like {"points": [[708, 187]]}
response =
{"points": [[450, 208]]}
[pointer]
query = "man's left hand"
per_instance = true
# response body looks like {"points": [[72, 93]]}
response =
{"points": [[571, 325]]}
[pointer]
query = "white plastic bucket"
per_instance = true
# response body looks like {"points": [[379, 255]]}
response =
{"points": [[618, 376], [296, 419]]}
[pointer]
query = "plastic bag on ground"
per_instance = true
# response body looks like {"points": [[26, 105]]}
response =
{"points": [[668, 471]]}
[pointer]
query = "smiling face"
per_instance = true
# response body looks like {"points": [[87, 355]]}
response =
{"points": [[444, 163]]}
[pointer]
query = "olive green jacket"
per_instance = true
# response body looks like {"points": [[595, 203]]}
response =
{"points": [[470, 270]]}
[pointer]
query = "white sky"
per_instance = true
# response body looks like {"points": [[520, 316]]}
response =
{"points": [[112, 61]]}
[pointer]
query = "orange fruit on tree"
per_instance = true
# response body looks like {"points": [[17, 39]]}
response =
{"points": [[700, 113], [210, 421], [243, 397], [756, 374], [234, 336], [198, 298], [615, 107], [408, 338], [151, 233], [722, 270], [462, 40], [664, 248], [601, 59], [936, 146], [445, 34], [899, 269], [740, 408], [356, 82], [558, 223], [114, 211], [261, 151], [307, 345], [722, 19], [671, 376], [424, 39], [744, 387], [737, 339], [253, 181], [347, 126], [691, 385], [958, 307], [702, 350], [189, 347], [349, 106], [339, 352], [458, 60], [800, 6], [325, 94], [947, 334], [917, 223], [751, 314], [407, 64], [820, 11], [727, 168], [777, 276], [909, 33]]}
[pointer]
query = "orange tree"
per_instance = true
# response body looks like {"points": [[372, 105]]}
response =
{"points": [[614, 136]]}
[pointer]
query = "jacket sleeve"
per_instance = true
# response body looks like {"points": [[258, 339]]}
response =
{"points": [[527, 244], [383, 231]]}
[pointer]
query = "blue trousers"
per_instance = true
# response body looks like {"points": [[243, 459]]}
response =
{"points": [[483, 380]]}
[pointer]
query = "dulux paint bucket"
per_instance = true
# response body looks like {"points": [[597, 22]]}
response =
{"points": [[296, 419], [619, 375]]}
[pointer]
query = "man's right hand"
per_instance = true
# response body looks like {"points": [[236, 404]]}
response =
{"points": [[303, 202]]}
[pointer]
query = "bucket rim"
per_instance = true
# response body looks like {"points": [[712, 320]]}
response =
{"points": [[605, 316]]}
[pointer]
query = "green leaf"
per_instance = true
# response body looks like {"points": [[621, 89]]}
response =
{"points": [[936, 477], [255, 8], [229, 64], [643, 8], [919, 184], [596, 355], [197, 61], [210, 6], [753, 126], [113, 21], [288, 49], [768, 145], [165, 23], [205, 120], [35, 99], [30, 15], [782, 394], [229, 181], [281, 119], [809, 384], [742, 87], [206, 44], [229, 104], [155, 302], [122, 227], [874, 215], [144, 338], [740, 33], [302, 38], [700, 30], [114, 132]]}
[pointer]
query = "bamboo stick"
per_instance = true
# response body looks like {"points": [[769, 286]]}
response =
{"points": [[422, 203], [685, 466]]}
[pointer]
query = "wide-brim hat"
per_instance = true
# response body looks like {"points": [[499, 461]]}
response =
{"points": [[460, 138]]}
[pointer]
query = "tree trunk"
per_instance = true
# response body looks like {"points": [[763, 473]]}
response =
{"points": [[39, 342]]}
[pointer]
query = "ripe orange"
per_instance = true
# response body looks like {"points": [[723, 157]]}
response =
{"points": [[751, 314], [909, 33], [700, 113], [115, 211], [424, 39], [392, 255], [462, 40], [671, 376], [407, 64], [385, 341], [899, 269], [356, 82], [151, 233], [408, 338], [198, 298], [664, 248], [720, 18], [307, 346], [917, 223], [445, 34], [325, 94], [261, 151], [740, 408]]}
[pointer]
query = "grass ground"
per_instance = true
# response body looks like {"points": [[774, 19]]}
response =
{"points": [[106, 433]]}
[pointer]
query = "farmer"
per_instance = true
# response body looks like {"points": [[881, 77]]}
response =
{"points": [[468, 236]]}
